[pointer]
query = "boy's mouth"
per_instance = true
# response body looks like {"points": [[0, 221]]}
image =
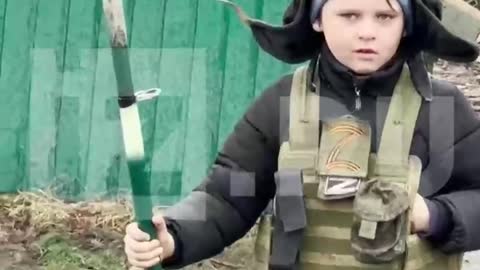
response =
{"points": [[366, 51]]}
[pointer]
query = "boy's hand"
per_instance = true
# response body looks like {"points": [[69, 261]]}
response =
{"points": [[420, 216], [144, 253]]}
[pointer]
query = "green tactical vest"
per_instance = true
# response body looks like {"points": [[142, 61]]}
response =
{"points": [[338, 206]]}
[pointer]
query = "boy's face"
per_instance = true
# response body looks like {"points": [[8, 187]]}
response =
{"points": [[362, 35]]}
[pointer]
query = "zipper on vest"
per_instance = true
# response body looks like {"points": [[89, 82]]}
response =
{"points": [[358, 98]]}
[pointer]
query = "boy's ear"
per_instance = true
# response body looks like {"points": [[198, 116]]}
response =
{"points": [[317, 26], [404, 33]]}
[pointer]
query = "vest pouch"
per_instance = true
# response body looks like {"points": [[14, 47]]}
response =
{"points": [[379, 229]]}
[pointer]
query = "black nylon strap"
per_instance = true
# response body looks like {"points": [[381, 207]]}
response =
{"points": [[290, 220]]}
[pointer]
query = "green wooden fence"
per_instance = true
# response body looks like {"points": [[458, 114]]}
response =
{"points": [[59, 123]]}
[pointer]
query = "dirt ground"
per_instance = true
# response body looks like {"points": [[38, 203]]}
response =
{"points": [[38, 231]]}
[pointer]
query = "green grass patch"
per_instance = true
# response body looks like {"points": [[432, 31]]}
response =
{"points": [[59, 253]]}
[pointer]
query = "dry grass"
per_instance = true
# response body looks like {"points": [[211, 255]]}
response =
{"points": [[59, 235], [42, 211]]}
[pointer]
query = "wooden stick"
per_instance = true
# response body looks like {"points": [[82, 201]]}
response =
{"points": [[113, 10]]}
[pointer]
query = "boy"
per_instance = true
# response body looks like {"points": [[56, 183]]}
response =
{"points": [[361, 54]]}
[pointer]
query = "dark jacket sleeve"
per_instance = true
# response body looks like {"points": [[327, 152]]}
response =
{"points": [[460, 162], [238, 187], [441, 221]]}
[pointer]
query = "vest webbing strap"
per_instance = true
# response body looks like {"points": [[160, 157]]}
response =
{"points": [[304, 125], [290, 220], [397, 134], [304, 129]]}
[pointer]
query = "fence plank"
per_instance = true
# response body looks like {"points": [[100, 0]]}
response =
{"points": [[172, 108], [3, 10], [205, 99], [19, 29], [75, 112], [240, 70], [46, 91]]}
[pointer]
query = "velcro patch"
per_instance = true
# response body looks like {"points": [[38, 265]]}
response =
{"points": [[341, 186], [368, 229]]}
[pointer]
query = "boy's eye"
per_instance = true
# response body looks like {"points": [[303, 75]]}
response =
{"points": [[385, 17], [349, 16]]}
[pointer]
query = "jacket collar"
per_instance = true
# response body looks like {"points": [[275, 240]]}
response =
{"points": [[330, 72]]}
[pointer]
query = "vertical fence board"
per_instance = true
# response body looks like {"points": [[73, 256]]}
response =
{"points": [[206, 92], [240, 70], [18, 33], [3, 13], [45, 94], [75, 113], [172, 108]]}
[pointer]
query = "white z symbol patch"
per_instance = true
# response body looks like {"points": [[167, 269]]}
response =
{"points": [[341, 186]]}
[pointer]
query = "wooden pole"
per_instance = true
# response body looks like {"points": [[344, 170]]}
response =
{"points": [[130, 119]]}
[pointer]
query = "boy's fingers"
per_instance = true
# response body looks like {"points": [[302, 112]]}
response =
{"points": [[144, 264], [144, 256], [159, 222], [141, 247], [135, 233]]}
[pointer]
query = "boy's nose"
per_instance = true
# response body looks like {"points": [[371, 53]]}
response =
{"points": [[366, 30], [367, 37]]}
